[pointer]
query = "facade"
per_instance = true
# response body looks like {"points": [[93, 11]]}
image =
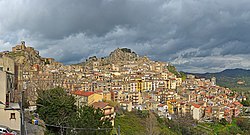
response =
{"points": [[126, 105], [86, 97], [122, 78], [9, 111], [108, 110], [197, 111]]}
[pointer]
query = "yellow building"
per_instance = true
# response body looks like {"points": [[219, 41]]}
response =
{"points": [[171, 106], [86, 97], [138, 85], [106, 95], [147, 85]]}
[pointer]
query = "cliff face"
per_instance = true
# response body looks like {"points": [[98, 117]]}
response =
{"points": [[28, 62], [24, 56], [118, 56], [123, 54]]}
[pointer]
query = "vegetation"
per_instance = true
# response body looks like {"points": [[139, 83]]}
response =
{"points": [[180, 125], [183, 76], [141, 123], [246, 102], [130, 124], [126, 50], [55, 107], [173, 70], [15, 54], [58, 110], [90, 118], [187, 126]]}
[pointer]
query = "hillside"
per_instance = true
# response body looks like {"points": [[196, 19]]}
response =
{"points": [[118, 56], [137, 123], [236, 79]]}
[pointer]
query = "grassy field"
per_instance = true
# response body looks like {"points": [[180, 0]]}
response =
{"points": [[218, 128], [132, 124]]}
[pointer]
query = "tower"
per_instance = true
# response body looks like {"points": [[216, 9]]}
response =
{"points": [[213, 81], [23, 45]]}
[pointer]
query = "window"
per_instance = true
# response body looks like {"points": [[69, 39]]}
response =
{"points": [[12, 116]]}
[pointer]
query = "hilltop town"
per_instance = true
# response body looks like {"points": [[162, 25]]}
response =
{"points": [[134, 82]]}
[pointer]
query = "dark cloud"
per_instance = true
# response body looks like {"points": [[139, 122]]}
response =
{"points": [[195, 35]]}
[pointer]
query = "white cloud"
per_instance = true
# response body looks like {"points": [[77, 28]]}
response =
{"points": [[195, 35]]}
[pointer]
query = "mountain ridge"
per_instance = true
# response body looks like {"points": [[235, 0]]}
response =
{"points": [[231, 78]]}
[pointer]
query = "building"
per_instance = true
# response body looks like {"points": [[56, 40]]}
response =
{"points": [[126, 106], [197, 111], [86, 97], [9, 111], [107, 110]]}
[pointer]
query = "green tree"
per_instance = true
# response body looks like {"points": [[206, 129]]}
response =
{"points": [[92, 120], [183, 76], [173, 70], [223, 121], [246, 102], [56, 107]]}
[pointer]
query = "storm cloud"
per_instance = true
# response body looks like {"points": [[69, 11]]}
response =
{"points": [[194, 35]]}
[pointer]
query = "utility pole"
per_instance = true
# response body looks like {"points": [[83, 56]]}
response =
{"points": [[119, 130], [22, 109], [22, 114]]}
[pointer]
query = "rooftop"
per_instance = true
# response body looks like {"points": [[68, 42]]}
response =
{"points": [[82, 93], [100, 105]]}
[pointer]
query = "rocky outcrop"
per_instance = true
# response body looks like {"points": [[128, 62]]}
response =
{"points": [[123, 54], [118, 56]]}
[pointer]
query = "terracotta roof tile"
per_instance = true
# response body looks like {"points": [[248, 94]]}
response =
{"points": [[100, 105], [196, 105], [82, 93]]}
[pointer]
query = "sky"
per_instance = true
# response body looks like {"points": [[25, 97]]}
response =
{"points": [[194, 35]]}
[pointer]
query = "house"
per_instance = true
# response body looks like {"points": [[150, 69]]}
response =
{"points": [[126, 105], [162, 110], [197, 111], [208, 112], [108, 110], [106, 95], [237, 106], [136, 98], [86, 97], [9, 111]]}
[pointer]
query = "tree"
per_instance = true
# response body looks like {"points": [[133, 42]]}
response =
{"points": [[183, 76], [55, 107], [90, 119], [58, 110], [246, 102], [223, 121], [151, 124]]}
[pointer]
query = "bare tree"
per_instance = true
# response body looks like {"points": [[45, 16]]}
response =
{"points": [[151, 124]]}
